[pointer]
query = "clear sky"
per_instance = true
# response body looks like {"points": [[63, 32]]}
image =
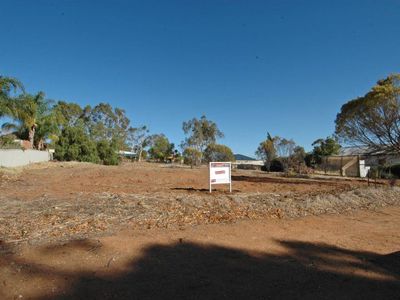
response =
{"points": [[251, 66]]}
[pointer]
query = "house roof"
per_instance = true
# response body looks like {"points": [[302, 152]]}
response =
{"points": [[359, 150], [348, 151], [243, 157]]}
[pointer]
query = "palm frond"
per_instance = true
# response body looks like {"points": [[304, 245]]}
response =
{"points": [[7, 84], [9, 127]]}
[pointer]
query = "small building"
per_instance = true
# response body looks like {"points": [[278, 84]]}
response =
{"points": [[127, 154], [246, 162], [356, 161]]}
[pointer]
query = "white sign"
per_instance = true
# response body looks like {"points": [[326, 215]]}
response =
{"points": [[220, 173]]}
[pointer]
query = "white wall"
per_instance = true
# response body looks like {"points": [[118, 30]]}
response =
{"points": [[249, 162], [16, 158]]}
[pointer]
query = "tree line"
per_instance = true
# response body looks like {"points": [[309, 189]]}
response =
{"points": [[281, 154], [96, 134], [370, 122]]}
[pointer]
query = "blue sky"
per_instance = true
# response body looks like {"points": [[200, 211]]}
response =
{"points": [[251, 66]]}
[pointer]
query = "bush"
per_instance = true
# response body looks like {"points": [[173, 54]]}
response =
{"points": [[395, 170], [277, 166], [74, 145], [392, 172], [107, 153]]}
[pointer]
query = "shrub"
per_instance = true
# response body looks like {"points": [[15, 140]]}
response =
{"points": [[277, 166], [74, 145], [107, 152], [384, 172], [395, 170]]}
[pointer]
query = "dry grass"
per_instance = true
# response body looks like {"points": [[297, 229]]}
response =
{"points": [[48, 219]]}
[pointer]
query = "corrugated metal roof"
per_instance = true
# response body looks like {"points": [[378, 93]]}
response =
{"points": [[348, 151]]}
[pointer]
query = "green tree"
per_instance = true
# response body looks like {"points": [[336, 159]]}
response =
{"points": [[191, 156], [107, 152], [299, 154], [8, 85], [7, 141], [326, 147], [75, 145], [297, 159], [138, 138], [217, 152], [160, 148], [68, 114], [47, 129], [323, 148], [373, 120], [267, 150], [105, 123], [284, 147], [285, 150], [28, 112], [200, 133]]}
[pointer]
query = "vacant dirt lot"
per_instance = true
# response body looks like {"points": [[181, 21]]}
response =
{"points": [[63, 201], [63, 179], [83, 231]]}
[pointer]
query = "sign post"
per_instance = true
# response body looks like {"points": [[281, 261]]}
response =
{"points": [[220, 173]]}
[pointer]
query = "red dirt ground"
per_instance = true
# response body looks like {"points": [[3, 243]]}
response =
{"points": [[65, 179], [324, 257], [355, 255]]}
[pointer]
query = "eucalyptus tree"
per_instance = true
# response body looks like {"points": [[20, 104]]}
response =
{"points": [[267, 150], [138, 138], [161, 149], [217, 152], [68, 114], [105, 123], [200, 133], [373, 120]]}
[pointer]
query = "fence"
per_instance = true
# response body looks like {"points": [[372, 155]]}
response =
{"points": [[354, 165], [15, 157], [340, 165]]}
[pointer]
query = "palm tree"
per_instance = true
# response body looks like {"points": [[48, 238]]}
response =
{"points": [[8, 84], [28, 110]]}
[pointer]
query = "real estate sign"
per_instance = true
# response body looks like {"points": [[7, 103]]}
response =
{"points": [[220, 173]]}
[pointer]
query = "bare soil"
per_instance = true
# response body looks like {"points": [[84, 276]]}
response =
{"points": [[149, 231], [318, 257], [63, 201]]}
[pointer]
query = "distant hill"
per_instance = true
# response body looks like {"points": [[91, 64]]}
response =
{"points": [[243, 157]]}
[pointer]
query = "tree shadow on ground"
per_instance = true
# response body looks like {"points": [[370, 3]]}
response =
{"points": [[189, 189], [196, 271], [214, 189]]}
